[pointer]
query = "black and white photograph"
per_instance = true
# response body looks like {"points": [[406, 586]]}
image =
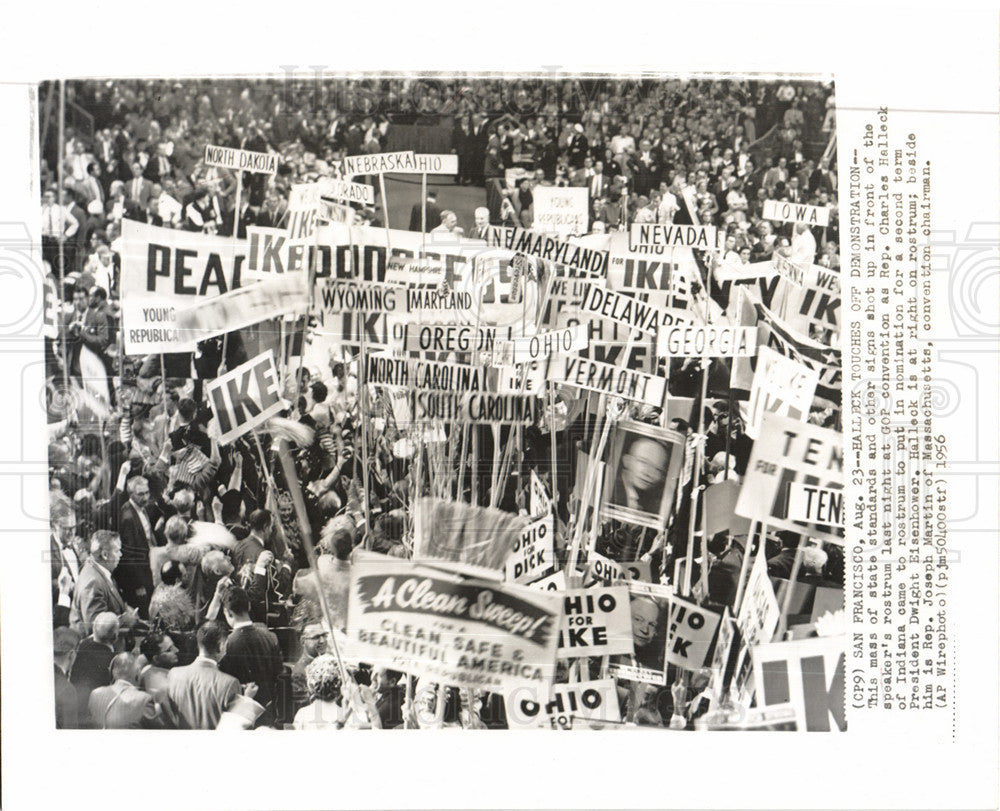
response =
{"points": [[646, 461], [258, 289], [650, 608], [359, 402]]}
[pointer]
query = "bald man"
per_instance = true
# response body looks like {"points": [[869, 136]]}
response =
{"points": [[482, 218], [645, 622], [93, 660], [122, 705]]}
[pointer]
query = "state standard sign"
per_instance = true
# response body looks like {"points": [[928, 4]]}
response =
{"points": [[429, 165], [241, 160], [789, 452], [611, 380]]}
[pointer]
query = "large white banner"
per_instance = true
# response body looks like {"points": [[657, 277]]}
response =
{"points": [[165, 271]]}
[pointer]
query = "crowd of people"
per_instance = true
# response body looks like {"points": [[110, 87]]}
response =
{"points": [[183, 592], [638, 147]]}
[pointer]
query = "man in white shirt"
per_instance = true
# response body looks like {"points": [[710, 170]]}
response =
{"points": [[803, 248], [597, 182], [164, 209], [668, 207], [57, 222]]}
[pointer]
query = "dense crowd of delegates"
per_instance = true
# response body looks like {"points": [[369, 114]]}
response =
{"points": [[637, 146], [182, 594]]}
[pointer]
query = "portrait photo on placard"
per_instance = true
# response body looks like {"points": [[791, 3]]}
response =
{"points": [[649, 605], [643, 462]]}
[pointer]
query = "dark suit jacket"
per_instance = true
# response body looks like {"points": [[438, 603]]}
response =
{"points": [[133, 571], [246, 551], [93, 594], [67, 702], [90, 671], [433, 216], [253, 654], [199, 693], [145, 188], [153, 168]]}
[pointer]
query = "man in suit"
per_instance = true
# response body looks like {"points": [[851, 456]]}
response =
{"points": [[642, 475], [122, 705], [199, 693], [313, 644], [135, 578], [576, 148], [158, 167], [91, 669], [433, 213], [821, 179], [65, 547], [597, 182], [64, 645], [95, 591], [248, 550], [252, 651], [138, 189], [95, 332], [478, 139], [482, 223]]}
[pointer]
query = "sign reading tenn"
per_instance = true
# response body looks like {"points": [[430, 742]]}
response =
{"points": [[241, 159]]}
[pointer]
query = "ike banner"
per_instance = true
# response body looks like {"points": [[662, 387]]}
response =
{"points": [[595, 622], [789, 452], [781, 386], [245, 397], [813, 302], [807, 675], [690, 633], [164, 271], [269, 254], [453, 631]]}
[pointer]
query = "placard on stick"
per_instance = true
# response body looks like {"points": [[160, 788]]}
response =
{"points": [[562, 705], [241, 160], [789, 451], [533, 554], [807, 674], [595, 622], [245, 397]]}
